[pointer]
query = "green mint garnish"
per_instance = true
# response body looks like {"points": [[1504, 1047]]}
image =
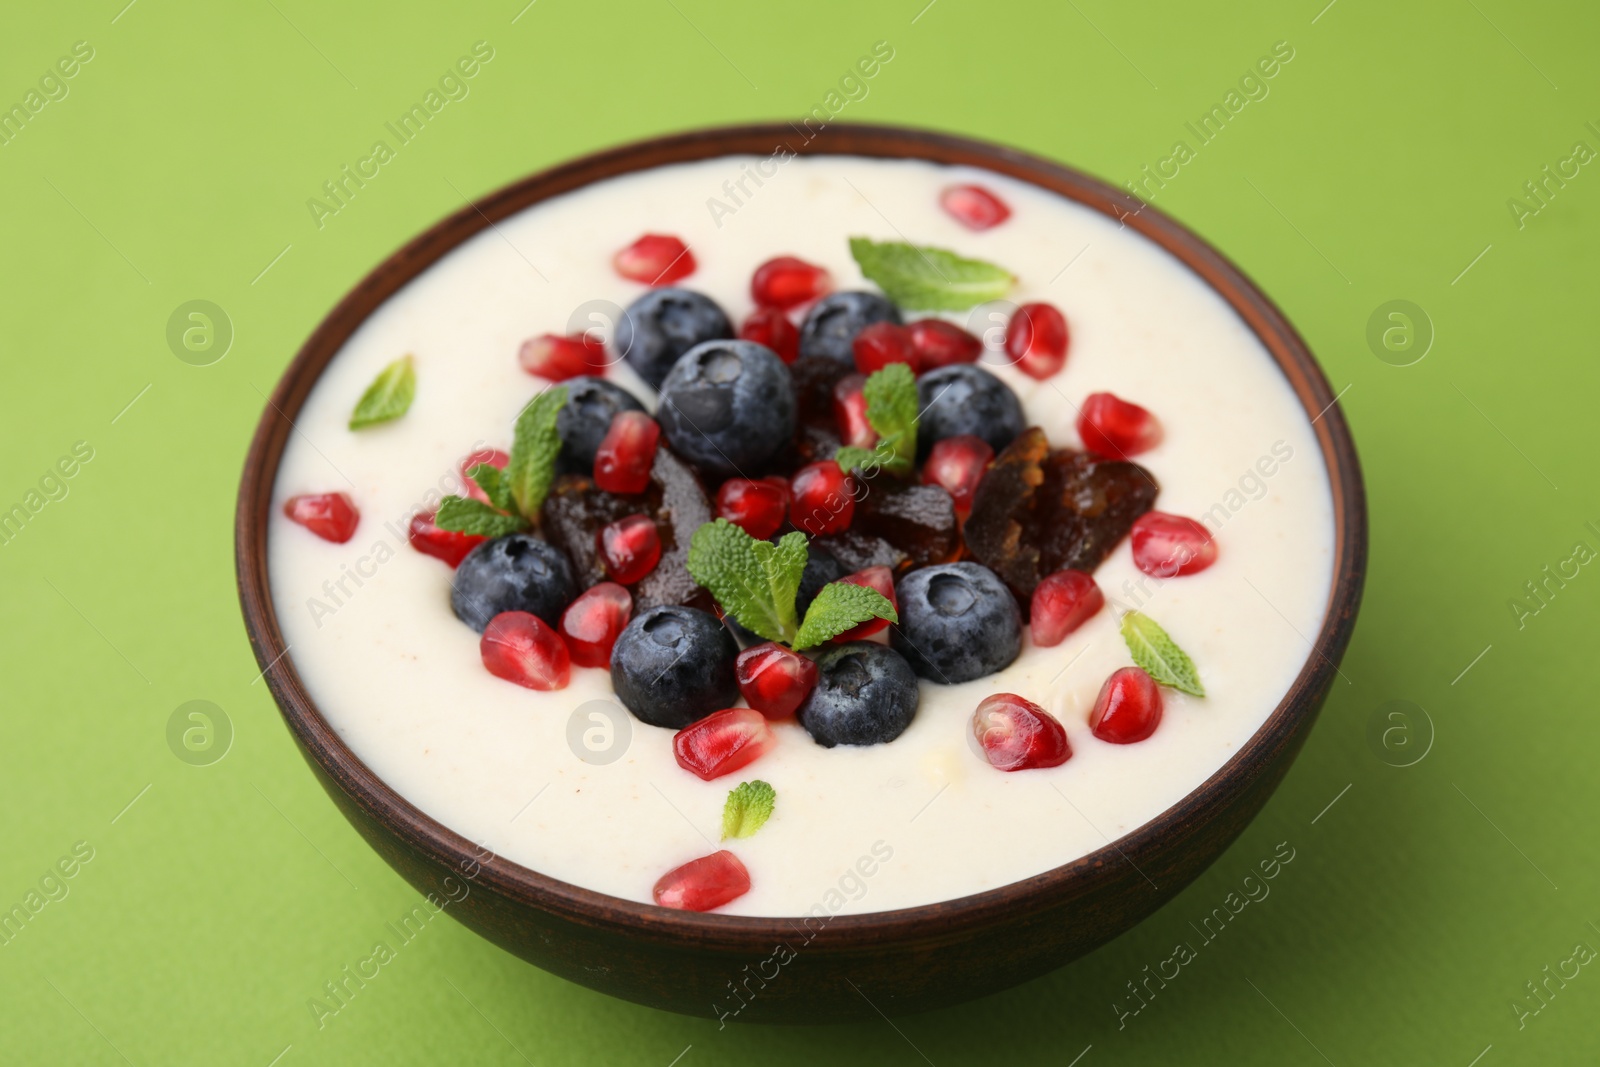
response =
{"points": [[748, 807], [840, 606], [517, 491], [464, 515], [1159, 655], [891, 395], [534, 445], [755, 581], [388, 397], [929, 279]]}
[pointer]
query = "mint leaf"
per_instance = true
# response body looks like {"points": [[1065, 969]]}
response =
{"points": [[464, 515], [747, 809], [838, 607], [534, 445], [755, 581], [919, 278], [388, 397], [1159, 655], [495, 486], [891, 395]]}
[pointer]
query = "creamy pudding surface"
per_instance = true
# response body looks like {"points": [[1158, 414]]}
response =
{"points": [[918, 820]]}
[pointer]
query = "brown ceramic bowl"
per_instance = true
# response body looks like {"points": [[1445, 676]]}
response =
{"points": [[853, 965]]}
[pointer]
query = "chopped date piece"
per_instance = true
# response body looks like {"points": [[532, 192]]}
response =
{"points": [[857, 551], [814, 380], [917, 520], [1040, 510]]}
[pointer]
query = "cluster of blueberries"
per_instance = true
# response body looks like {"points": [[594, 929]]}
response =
{"points": [[728, 408]]}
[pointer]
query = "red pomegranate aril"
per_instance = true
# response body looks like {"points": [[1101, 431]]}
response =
{"points": [[822, 499], [881, 344], [1018, 735], [1168, 546], [722, 742], [881, 579], [629, 548], [1036, 340], [703, 884], [592, 623], [850, 412], [756, 507], [1128, 708], [1115, 428], [939, 344], [331, 516], [522, 648], [787, 282], [557, 358], [1061, 603], [958, 464], [627, 452], [655, 259], [771, 327], [448, 545], [493, 457], [974, 207], [775, 680]]}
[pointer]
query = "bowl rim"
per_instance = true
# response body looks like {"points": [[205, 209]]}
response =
{"points": [[589, 908]]}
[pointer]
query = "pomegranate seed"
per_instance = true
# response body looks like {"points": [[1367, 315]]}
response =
{"points": [[522, 648], [629, 548], [939, 343], [493, 457], [1115, 428], [822, 499], [771, 327], [1036, 340], [702, 884], [627, 452], [756, 507], [1019, 735], [722, 742], [881, 344], [1061, 603], [1167, 546], [958, 463], [1128, 708], [881, 579], [559, 358], [448, 545], [974, 207], [850, 412], [332, 516], [655, 259], [788, 282], [775, 680], [592, 622]]}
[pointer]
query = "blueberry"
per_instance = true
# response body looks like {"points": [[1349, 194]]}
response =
{"points": [[583, 421], [662, 325], [834, 321], [865, 695], [673, 665], [517, 572], [821, 568], [728, 407], [958, 622], [962, 398]]}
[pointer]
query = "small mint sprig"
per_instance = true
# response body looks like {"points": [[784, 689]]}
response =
{"points": [[747, 809], [891, 395], [920, 278], [388, 397], [1159, 656], [515, 493], [757, 582]]}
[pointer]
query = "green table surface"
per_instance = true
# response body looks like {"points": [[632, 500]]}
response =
{"points": [[1386, 161]]}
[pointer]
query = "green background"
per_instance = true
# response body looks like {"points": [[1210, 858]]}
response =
{"points": [[1378, 168]]}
